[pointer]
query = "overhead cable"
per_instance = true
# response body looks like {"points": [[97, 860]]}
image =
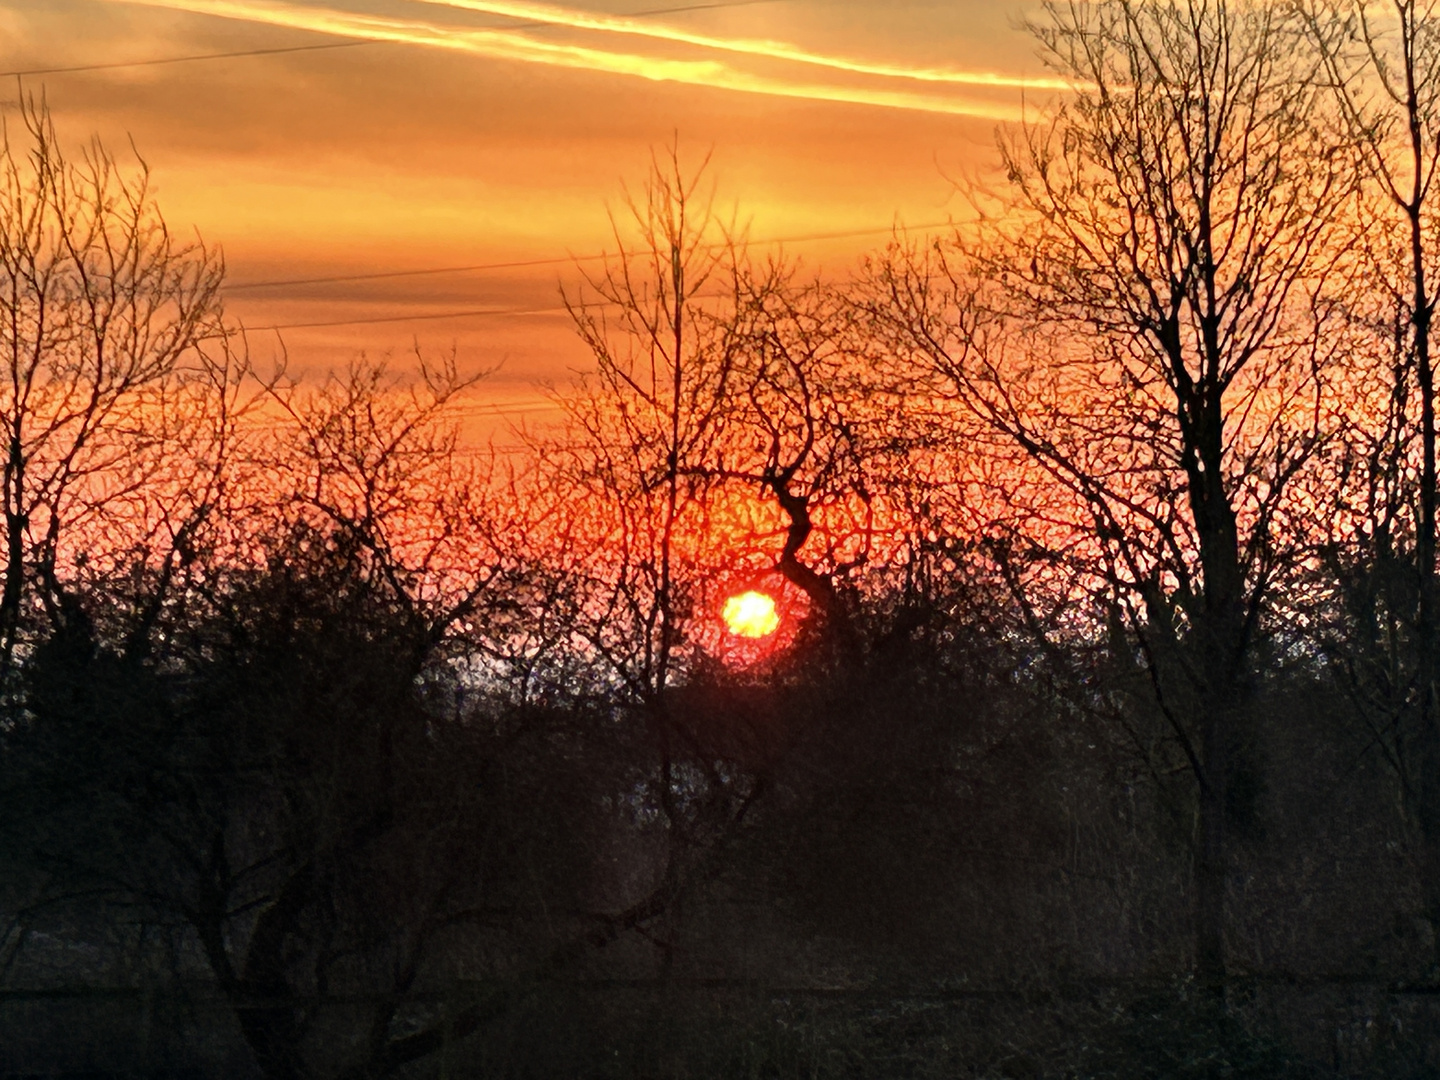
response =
{"points": [[533, 25], [492, 312], [555, 260]]}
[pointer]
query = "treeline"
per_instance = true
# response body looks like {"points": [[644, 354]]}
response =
{"points": [[1101, 736]]}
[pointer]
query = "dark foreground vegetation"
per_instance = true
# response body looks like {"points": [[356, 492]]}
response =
{"points": [[1100, 738]]}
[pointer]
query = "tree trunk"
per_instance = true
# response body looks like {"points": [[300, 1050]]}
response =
{"points": [[1210, 857], [15, 523], [1220, 636]]}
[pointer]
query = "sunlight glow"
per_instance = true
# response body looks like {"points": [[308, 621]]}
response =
{"points": [[751, 614]]}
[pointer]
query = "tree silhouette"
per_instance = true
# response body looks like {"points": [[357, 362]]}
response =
{"points": [[1147, 342], [117, 365]]}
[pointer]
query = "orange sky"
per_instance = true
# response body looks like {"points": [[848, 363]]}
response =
{"points": [[483, 138]]}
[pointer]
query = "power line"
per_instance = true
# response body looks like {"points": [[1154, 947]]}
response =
{"points": [[342, 44], [492, 312], [504, 408], [410, 273], [470, 314], [555, 261], [188, 59]]}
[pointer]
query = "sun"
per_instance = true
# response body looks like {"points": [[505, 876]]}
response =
{"points": [[751, 614]]}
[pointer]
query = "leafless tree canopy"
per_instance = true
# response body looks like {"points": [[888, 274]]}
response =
{"points": [[1097, 735]]}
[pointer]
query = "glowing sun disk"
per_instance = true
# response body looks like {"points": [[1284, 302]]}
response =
{"points": [[751, 614]]}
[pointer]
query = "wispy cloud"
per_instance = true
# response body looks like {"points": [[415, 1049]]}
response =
{"points": [[774, 50], [510, 45]]}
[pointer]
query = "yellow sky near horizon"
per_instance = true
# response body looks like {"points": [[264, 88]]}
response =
{"points": [[468, 132]]}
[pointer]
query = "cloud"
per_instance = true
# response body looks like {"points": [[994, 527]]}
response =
{"points": [[772, 50], [510, 45]]}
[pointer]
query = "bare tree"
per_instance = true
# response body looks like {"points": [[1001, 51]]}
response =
{"points": [[631, 464], [107, 324], [643, 427], [1381, 65], [378, 458], [1142, 330], [704, 450], [803, 431], [346, 812]]}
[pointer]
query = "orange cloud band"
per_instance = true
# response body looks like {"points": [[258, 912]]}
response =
{"points": [[772, 50], [509, 45]]}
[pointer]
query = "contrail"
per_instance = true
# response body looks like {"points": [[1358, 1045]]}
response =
{"points": [[509, 45], [773, 50]]}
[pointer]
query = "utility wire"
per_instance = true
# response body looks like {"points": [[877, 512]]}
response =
{"points": [[343, 44], [471, 314], [492, 312], [188, 59], [409, 273], [555, 261]]}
